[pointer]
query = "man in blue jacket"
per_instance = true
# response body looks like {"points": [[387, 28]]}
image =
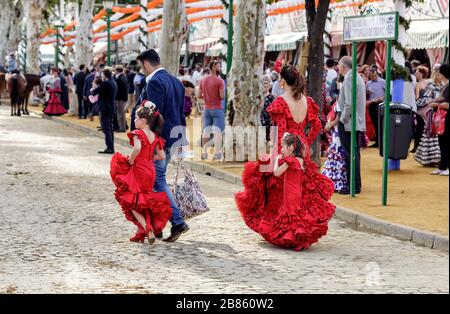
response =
{"points": [[79, 81], [167, 93], [106, 99]]}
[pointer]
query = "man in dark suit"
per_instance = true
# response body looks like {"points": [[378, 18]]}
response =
{"points": [[65, 91], [167, 93], [106, 97], [79, 80], [121, 98]]}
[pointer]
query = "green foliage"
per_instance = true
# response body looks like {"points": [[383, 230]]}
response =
{"points": [[409, 3], [399, 47], [404, 22], [399, 72]]}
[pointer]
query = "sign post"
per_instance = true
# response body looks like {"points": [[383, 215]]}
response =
{"points": [[362, 29]]}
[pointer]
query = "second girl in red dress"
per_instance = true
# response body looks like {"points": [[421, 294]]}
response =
{"points": [[291, 211]]}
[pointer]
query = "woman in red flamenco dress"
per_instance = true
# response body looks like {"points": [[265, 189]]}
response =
{"points": [[54, 106], [134, 177], [291, 211]]}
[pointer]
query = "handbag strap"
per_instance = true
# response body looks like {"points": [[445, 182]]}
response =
{"points": [[181, 165]]}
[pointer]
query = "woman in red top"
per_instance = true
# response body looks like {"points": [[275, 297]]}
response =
{"points": [[134, 176], [265, 194]]}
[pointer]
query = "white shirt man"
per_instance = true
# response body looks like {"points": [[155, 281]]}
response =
{"points": [[196, 77]]}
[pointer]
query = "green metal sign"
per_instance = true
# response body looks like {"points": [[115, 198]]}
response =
{"points": [[363, 28]]}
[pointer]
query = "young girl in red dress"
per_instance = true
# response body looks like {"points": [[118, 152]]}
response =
{"points": [[134, 176]]}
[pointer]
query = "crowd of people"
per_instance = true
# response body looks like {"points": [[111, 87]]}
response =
{"points": [[79, 94], [425, 92]]}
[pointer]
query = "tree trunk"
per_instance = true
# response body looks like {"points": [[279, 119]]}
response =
{"points": [[174, 30], [316, 20], [34, 20], [84, 49], [245, 79], [14, 30], [5, 18]]}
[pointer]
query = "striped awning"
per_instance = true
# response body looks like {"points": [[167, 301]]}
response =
{"points": [[427, 34], [284, 42], [202, 45], [215, 50]]}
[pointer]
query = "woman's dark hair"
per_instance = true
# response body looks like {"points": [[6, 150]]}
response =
{"points": [[445, 70], [291, 139], [294, 79], [188, 84], [154, 120], [98, 81], [66, 72]]}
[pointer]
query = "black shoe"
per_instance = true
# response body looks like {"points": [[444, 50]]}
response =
{"points": [[176, 232], [106, 151], [159, 235], [413, 151], [374, 145]]}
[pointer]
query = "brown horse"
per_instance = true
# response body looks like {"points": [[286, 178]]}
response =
{"points": [[16, 86], [33, 80]]}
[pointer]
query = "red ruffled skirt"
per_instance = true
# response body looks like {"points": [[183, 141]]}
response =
{"points": [[291, 226], [54, 106], [154, 206]]}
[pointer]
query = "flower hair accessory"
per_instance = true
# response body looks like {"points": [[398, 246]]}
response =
{"points": [[150, 106]]}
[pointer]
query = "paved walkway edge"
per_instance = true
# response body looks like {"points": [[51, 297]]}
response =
{"points": [[355, 220]]}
